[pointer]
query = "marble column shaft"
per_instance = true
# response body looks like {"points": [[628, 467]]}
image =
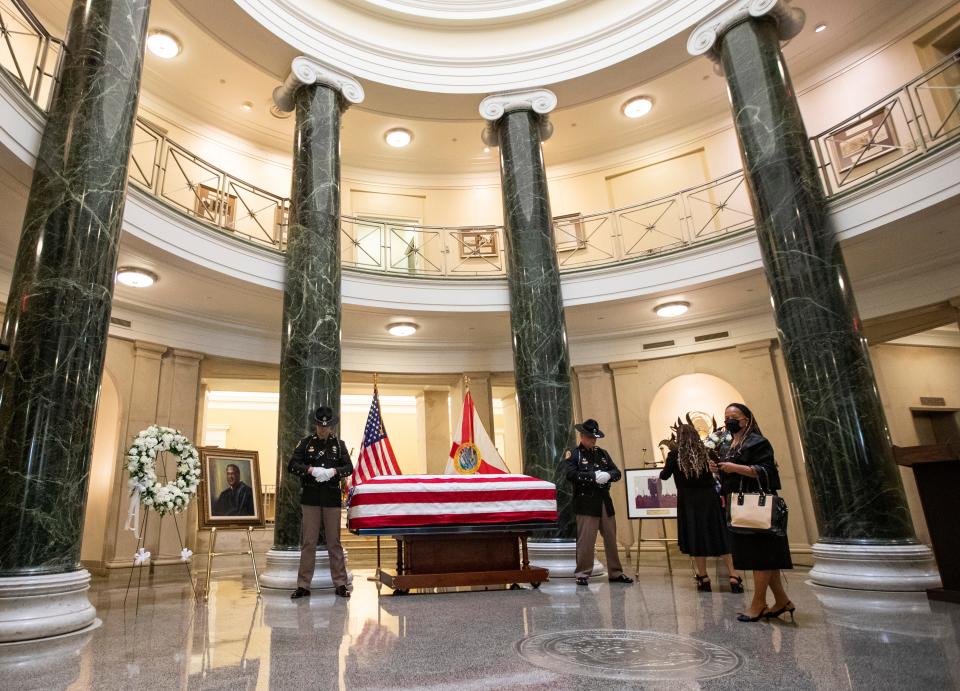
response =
{"points": [[540, 357], [858, 496], [310, 359], [60, 295]]}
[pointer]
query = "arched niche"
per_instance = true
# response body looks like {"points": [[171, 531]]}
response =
{"points": [[695, 393], [103, 463]]}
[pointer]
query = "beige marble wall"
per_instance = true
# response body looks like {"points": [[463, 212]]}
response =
{"points": [[433, 407], [159, 385]]}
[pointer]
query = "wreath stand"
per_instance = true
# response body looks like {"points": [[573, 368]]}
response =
{"points": [[161, 469], [211, 553], [141, 538]]}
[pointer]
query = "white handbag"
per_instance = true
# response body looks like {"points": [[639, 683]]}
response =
{"points": [[757, 512]]}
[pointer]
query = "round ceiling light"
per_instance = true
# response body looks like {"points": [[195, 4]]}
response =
{"points": [[671, 309], [163, 44], [398, 137], [247, 105], [637, 107], [402, 328], [820, 28], [136, 278]]}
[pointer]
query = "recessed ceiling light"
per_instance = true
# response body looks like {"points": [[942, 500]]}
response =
{"points": [[402, 328], [136, 278], [671, 309], [637, 107], [486, 149], [163, 44], [398, 137], [819, 27], [247, 105]]}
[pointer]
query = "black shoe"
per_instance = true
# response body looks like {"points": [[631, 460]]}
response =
{"points": [[583, 581], [703, 584], [747, 617], [622, 578], [300, 592], [736, 584], [789, 608], [342, 591]]}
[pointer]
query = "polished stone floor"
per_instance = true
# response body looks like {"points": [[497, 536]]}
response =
{"points": [[656, 634]]}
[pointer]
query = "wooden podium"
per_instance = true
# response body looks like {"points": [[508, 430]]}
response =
{"points": [[937, 470]]}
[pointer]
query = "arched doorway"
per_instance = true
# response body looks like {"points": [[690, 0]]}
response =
{"points": [[702, 394]]}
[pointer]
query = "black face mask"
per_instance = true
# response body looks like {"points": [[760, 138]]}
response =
{"points": [[733, 426]]}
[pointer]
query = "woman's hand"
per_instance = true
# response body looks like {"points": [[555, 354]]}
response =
{"points": [[731, 468], [712, 466]]}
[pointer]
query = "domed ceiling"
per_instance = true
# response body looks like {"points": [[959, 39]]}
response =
{"points": [[474, 47]]}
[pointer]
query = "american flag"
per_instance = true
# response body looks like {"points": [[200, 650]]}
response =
{"points": [[376, 454]]}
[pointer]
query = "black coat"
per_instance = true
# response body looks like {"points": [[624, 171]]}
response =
{"points": [[757, 452], [320, 453], [580, 466]]}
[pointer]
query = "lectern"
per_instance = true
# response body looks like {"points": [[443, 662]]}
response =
{"points": [[937, 470]]}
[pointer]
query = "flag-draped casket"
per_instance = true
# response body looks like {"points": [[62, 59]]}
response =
{"points": [[408, 501]]}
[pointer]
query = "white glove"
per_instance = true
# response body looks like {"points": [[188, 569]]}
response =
{"points": [[317, 471], [325, 474], [603, 477]]}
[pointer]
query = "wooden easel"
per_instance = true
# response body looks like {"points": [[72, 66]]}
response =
{"points": [[211, 553]]}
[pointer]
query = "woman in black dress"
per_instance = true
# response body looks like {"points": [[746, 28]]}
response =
{"points": [[701, 526], [747, 463]]}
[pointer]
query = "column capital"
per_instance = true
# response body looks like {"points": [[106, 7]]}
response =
{"points": [[624, 366], [590, 371], [305, 71], [704, 38], [495, 106], [753, 349]]}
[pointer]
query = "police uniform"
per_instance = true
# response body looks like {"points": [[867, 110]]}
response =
{"points": [[320, 502], [592, 504]]}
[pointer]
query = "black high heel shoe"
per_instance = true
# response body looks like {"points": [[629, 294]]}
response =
{"points": [[736, 584], [789, 608], [703, 584], [746, 617]]}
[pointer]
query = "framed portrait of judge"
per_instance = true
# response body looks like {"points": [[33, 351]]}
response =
{"points": [[230, 493]]}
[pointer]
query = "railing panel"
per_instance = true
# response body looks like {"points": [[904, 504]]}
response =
{"points": [[195, 187], [652, 227], [936, 99], [257, 214], [145, 151], [868, 143], [476, 251], [902, 126], [362, 244], [718, 207]]}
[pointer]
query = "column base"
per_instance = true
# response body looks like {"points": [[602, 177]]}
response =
{"points": [[560, 558], [905, 568], [47, 605], [283, 565]]}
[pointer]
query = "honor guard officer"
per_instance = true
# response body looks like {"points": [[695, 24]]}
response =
{"points": [[591, 470], [321, 460]]}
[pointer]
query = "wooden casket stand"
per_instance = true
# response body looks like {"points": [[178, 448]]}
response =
{"points": [[451, 556]]}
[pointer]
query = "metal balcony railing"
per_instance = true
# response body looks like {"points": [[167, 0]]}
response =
{"points": [[914, 120]]}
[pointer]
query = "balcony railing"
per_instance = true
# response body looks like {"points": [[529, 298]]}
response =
{"points": [[907, 124]]}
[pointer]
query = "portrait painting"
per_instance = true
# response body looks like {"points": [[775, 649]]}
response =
{"points": [[230, 491], [648, 496]]}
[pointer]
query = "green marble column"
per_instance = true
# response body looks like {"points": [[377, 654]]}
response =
{"points": [[540, 358], [857, 492], [310, 345], [58, 311]]}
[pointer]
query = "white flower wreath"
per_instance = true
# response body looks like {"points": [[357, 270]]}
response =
{"points": [[175, 495]]}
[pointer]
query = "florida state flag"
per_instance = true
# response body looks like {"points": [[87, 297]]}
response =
{"points": [[472, 450]]}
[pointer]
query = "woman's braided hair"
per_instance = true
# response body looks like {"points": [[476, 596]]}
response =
{"points": [[691, 453]]}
